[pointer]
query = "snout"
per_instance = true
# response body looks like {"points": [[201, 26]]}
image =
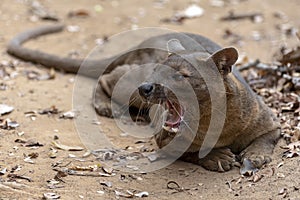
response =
{"points": [[146, 89]]}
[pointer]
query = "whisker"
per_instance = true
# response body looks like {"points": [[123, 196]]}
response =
{"points": [[130, 103], [156, 114], [175, 109], [122, 107], [138, 114], [186, 124]]}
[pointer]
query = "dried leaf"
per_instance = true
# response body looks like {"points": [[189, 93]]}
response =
{"points": [[16, 176], [31, 114], [85, 168], [50, 195], [106, 183], [280, 164], [190, 12], [15, 168], [278, 85], [293, 150], [132, 167], [283, 192], [108, 170], [34, 75], [79, 13], [53, 184], [29, 143], [152, 157], [49, 111], [73, 29], [3, 171], [37, 9], [257, 177], [100, 192], [3, 86], [142, 194], [33, 155], [98, 8], [68, 115], [29, 160], [106, 174], [8, 124], [280, 175], [217, 3], [173, 185], [290, 56], [87, 154], [58, 145], [5, 109], [254, 17], [123, 194], [72, 156], [52, 153]]}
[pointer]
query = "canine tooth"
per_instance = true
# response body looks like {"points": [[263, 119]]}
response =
{"points": [[167, 128], [175, 130]]}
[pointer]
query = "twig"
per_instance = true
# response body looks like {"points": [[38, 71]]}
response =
{"points": [[75, 173], [173, 185], [258, 65], [249, 65], [16, 176], [83, 174], [291, 57], [231, 16]]}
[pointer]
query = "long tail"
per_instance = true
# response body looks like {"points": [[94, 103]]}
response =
{"points": [[92, 68]]}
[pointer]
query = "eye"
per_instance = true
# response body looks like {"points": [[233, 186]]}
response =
{"points": [[178, 77]]}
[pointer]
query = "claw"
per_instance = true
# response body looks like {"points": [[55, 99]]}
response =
{"points": [[248, 168], [167, 128], [175, 130]]}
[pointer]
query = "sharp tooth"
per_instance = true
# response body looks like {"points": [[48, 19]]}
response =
{"points": [[175, 130], [165, 115], [167, 128]]}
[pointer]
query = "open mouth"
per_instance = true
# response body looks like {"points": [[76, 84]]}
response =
{"points": [[174, 116]]}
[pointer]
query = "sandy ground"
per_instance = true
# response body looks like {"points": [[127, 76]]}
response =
{"points": [[106, 18]]}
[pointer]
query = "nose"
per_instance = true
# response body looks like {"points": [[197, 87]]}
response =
{"points": [[146, 89]]}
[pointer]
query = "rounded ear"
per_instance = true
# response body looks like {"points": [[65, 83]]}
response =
{"points": [[174, 46], [224, 59]]}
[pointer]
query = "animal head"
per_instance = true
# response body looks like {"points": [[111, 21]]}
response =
{"points": [[183, 73]]}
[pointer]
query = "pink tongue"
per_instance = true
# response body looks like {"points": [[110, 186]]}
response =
{"points": [[174, 116]]}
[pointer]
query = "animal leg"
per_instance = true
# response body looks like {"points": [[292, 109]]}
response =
{"points": [[259, 151], [220, 159]]}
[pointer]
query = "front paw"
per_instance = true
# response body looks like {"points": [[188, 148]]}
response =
{"points": [[104, 109], [251, 163], [259, 160], [220, 160]]}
